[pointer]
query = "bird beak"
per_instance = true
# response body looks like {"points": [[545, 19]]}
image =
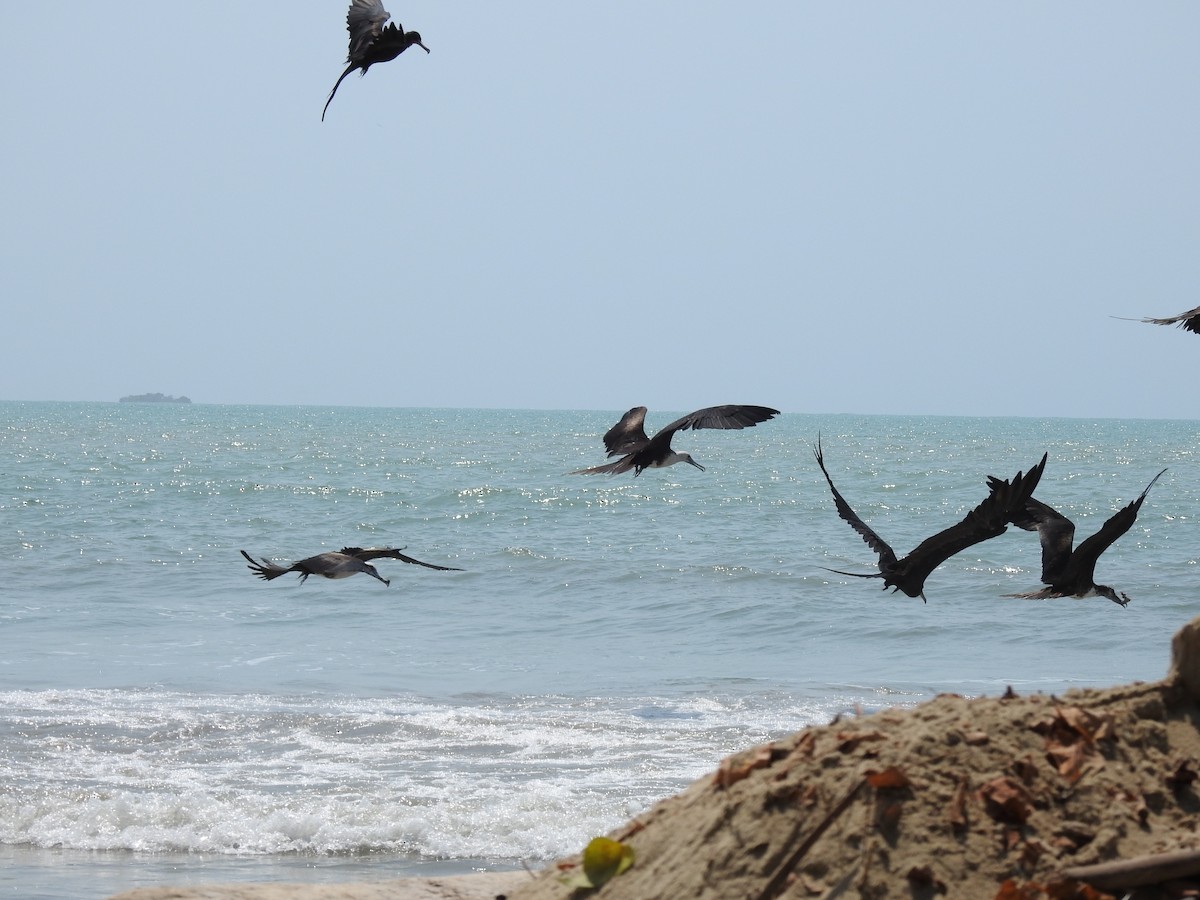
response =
{"points": [[696, 464], [422, 46]]}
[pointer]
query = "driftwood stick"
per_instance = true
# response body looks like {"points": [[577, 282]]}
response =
{"points": [[1138, 871], [778, 881]]}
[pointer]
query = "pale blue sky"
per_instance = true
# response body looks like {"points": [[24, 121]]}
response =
{"points": [[835, 207]]}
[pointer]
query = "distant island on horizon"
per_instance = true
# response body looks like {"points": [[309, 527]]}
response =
{"points": [[154, 398]]}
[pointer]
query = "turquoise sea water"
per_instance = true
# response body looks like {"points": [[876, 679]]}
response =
{"points": [[165, 717]]}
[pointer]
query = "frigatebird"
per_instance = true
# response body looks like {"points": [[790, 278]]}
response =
{"points": [[327, 565], [628, 439], [371, 41], [987, 520], [1188, 321], [342, 564], [1067, 572]]}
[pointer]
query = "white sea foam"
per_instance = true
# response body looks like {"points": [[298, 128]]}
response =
{"points": [[153, 771]]}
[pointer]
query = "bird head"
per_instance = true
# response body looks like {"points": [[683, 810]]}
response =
{"points": [[1103, 590], [887, 582], [687, 458], [414, 37]]}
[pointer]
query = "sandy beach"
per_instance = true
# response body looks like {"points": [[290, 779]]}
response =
{"points": [[482, 886], [1012, 796]]}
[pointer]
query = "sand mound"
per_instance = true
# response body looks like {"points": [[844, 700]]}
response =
{"points": [[1010, 797]]}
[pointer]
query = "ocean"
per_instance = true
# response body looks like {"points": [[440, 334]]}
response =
{"points": [[167, 718]]}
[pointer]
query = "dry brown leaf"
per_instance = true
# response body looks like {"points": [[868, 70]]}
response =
{"points": [[1069, 889], [1010, 890], [734, 768], [890, 778], [804, 746], [1070, 736], [1006, 800], [1091, 726], [1064, 889], [1073, 761]]}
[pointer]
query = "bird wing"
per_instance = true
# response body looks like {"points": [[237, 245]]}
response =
{"points": [[1055, 532], [364, 21], [987, 520], [1189, 321], [266, 570], [367, 553], [628, 434], [731, 415], [370, 553], [887, 557], [728, 416], [1084, 558]]}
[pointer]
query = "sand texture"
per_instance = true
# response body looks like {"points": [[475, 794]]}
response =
{"points": [[486, 886]]}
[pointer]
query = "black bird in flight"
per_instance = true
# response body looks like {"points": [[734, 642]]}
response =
{"points": [[327, 565], [1188, 321], [987, 520], [1068, 573], [628, 439], [346, 562], [371, 41]]}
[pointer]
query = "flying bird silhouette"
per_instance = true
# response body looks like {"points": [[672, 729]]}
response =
{"points": [[342, 564], [327, 565], [1067, 572], [371, 41], [628, 439], [987, 520]]}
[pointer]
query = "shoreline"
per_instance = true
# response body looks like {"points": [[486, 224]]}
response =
{"points": [[477, 886]]}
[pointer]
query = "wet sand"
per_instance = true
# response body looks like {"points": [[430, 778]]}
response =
{"points": [[481, 886]]}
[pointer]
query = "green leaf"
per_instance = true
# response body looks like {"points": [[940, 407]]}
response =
{"points": [[603, 859]]}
